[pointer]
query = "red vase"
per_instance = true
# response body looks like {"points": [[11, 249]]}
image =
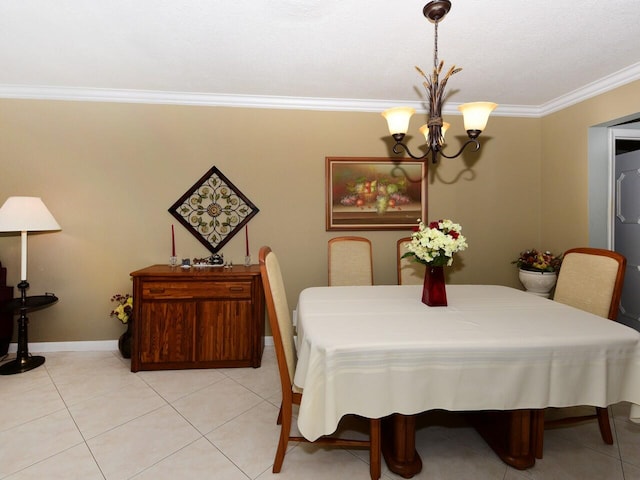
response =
{"points": [[434, 292]]}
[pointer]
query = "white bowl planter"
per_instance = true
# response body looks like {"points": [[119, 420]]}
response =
{"points": [[538, 283]]}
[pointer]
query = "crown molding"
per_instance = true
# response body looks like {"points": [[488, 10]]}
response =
{"points": [[25, 92], [610, 82]]}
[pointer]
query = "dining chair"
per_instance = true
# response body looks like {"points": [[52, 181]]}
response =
{"points": [[350, 261], [590, 279], [409, 271], [282, 331]]}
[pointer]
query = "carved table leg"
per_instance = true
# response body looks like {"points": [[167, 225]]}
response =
{"points": [[513, 434], [399, 445]]}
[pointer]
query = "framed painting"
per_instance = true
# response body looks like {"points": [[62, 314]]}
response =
{"points": [[213, 209], [374, 193]]}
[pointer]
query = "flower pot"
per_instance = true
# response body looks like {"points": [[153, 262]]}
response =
{"points": [[434, 292], [538, 283], [124, 342]]}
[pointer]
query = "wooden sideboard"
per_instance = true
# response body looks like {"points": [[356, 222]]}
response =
{"points": [[197, 317]]}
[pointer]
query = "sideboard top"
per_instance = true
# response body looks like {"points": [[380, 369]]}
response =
{"points": [[207, 271]]}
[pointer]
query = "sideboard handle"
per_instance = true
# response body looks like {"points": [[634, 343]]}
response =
{"points": [[156, 290], [236, 289]]}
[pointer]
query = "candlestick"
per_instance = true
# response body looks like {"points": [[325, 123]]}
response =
{"points": [[173, 242], [246, 240]]}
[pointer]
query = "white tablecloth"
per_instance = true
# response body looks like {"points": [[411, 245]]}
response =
{"points": [[379, 350]]}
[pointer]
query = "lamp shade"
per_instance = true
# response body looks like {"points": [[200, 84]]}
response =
{"points": [[424, 130], [398, 119], [476, 114], [26, 214]]}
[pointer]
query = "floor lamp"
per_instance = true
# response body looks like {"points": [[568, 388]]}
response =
{"points": [[25, 214]]}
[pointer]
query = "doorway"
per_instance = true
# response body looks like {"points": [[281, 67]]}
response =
{"points": [[626, 219], [625, 132]]}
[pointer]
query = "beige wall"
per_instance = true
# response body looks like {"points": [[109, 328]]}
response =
{"points": [[565, 191], [109, 172]]}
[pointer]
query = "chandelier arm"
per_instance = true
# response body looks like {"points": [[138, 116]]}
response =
{"points": [[466, 144], [399, 147]]}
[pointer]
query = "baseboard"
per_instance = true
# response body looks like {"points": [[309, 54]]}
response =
{"points": [[90, 346]]}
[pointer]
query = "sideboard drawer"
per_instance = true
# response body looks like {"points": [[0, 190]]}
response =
{"points": [[195, 290]]}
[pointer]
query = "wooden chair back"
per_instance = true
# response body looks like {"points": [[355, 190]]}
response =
{"points": [[279, 316], [591, 279], [409, 271], [350, 261]]}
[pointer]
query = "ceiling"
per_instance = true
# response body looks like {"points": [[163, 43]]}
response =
{"points": [[528, 56]]}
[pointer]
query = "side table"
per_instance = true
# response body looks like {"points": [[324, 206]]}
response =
{"points": [[25, 362]]}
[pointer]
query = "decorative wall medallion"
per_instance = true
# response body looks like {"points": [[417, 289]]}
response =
{"points": [[213, 210]]}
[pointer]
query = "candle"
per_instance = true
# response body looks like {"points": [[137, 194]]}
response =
{"points": [[246, 239], [173, 242]]}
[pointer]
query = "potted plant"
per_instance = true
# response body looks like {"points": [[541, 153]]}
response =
{"points": [[124, 312], [538, 271]]}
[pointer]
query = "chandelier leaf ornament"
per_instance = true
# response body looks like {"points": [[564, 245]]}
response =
{"points": [[476, 114]]}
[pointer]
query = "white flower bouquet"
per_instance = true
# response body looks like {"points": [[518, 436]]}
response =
{"points": [[435, 244]]}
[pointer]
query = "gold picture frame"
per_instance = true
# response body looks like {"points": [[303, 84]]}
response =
{"points": [[364, 193]]}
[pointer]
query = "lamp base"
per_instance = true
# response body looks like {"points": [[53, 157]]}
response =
{"points": [[21, 365]]}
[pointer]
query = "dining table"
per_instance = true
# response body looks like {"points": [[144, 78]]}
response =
{"points": [[379, 352]]}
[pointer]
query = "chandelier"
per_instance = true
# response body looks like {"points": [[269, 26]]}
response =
{"points": [[476, 114]]}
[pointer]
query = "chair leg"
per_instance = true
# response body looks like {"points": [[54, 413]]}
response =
{"points": [[285, 430], [279, 420], [603, 423], [375, 465]]}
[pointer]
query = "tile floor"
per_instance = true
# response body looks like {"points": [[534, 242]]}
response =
{"points": [[84, 415]]}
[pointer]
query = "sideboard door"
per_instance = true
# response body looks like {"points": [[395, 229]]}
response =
{"points": [[167, 332], [225, 330]]}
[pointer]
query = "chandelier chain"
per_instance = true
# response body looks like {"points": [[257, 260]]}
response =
{"points": [[435, 46]]}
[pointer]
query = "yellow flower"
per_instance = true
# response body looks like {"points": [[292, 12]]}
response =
{"points": [[124, 310]]}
